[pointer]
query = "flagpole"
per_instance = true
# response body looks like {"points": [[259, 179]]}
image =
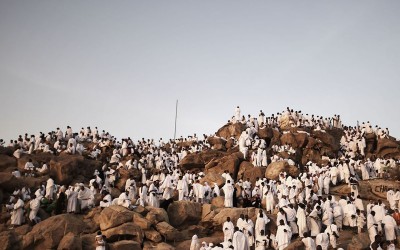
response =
{"points": [[176, 117]]}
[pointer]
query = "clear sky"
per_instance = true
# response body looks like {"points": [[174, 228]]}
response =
{"points": [[121, 65]]}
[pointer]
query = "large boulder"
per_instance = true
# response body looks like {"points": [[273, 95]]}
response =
{"points": [[359, 242], [36, 158], [387, 148], [311, 155], [199, 160], [253, 173], [142, 222], [125, 245], [8, 182], [265, 133], [330, 143], [167, 231], [70, 241], [289, 139], [9, 241], [114, 216], [243, 167], [213, 177], [296, 245], [125, 174], [159, 246], [48, 233], [234, 214], [184, 213], [156, 215], [127, 230], [153, 235], [218, 202], [275, 168], [369, 189], [231, 130], [7, 163], [6, 151], [66, 168], [217, 143], [370, 141], [88, 241], [230, 162]]}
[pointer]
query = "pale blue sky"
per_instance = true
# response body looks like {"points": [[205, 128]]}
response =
{"points": [[120, 65]]}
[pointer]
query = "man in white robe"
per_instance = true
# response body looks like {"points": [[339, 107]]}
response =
{"points": [[291, 218], [390, 196], [72, 196], [239, 240], [301, 220], [228, 229], [308, 242], [379, 214], [123, 200], [315, 221], [50, 187], [183, 189], [390, 226], [153, 195], [17, 215], [107, 199], [322, 240], [85, 197], [237, 114], [260, 225], [283, 235], [372, 226], [34, 206], [195, 244], [333, 233], [228, 192]]}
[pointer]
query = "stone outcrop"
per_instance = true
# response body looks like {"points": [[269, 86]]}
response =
{"points": [[114, 216], [231, 130], [184, 213], [49, 233], [275, 168], [66, 168]]}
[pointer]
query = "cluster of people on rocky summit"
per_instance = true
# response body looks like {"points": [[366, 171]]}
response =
{"points": [[303, 204]]}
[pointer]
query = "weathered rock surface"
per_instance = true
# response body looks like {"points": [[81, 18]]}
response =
{"points": [[369, 189], [359, 242], [7, 163], [275, 168], [128, 230], [153, 235], [199, 160], [49, 233], [156, 215], [231, 130], [114, 216], [125, 245], [217, 143], [167, 231], [184, 213], [234, 214], [70, 242], [66, 168]]}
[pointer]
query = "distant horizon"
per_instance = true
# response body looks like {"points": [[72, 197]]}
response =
{"points": [[199, 133]]}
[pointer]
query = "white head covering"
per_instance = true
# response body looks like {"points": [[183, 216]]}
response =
{"points": [[195, 242], [37, 193]]}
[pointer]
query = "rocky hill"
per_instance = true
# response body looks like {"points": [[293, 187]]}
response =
{"points": [[157, 228]]}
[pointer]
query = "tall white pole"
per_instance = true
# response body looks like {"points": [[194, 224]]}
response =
{"points": [[176, 117]]}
